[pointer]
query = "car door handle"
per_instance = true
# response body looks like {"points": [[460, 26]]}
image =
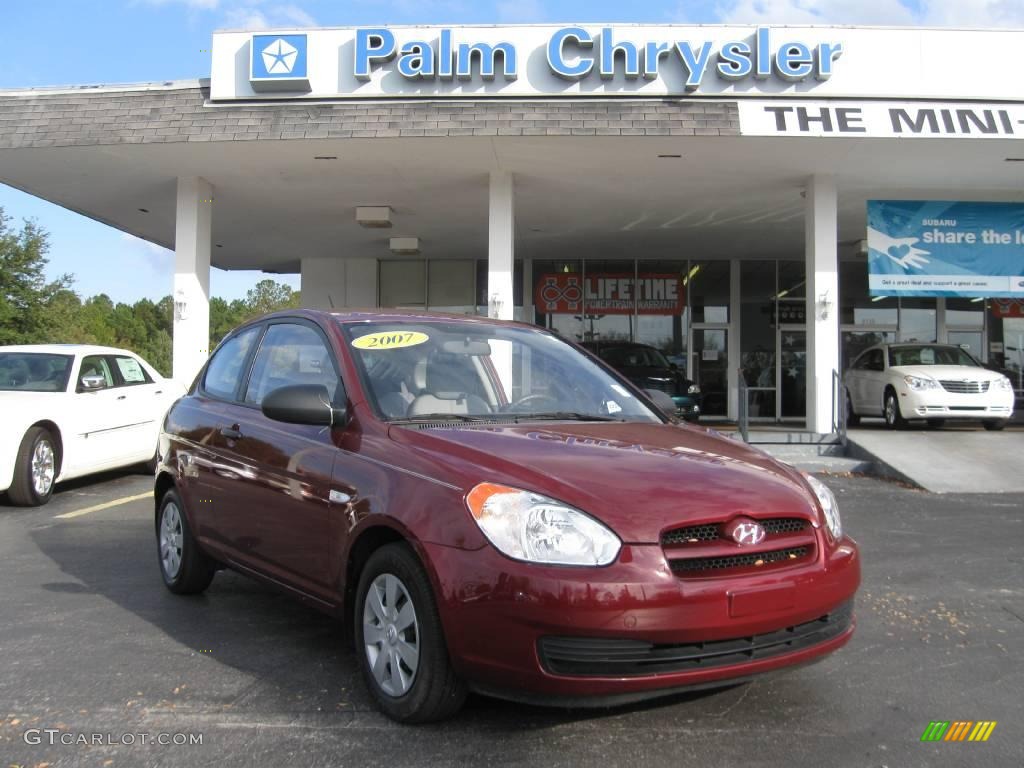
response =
{"points": [[158, 392], [122, 397], [231, 433]]}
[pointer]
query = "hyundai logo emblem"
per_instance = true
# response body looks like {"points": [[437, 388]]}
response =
{"points": [[745, 531]]}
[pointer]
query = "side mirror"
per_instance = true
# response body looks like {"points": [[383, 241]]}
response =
{"points": [[303, 404], [91, 383], [664, 402]]}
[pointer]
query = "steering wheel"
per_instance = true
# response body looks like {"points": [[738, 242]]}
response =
{"points": [[519, 406]]}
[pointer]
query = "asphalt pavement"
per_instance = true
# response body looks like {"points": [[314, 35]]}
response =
{"points": [[94, 649]]}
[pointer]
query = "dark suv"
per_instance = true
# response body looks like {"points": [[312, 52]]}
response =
{"points": [[648, 368]]}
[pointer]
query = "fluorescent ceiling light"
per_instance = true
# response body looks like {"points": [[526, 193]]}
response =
{"points": [[374, 216], [405, 246]]}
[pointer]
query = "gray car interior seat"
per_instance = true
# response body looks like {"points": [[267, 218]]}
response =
{"points": [[449, 385]]}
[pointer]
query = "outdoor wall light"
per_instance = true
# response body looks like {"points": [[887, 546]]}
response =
{"points": [[405, 246], [374, 216], [180, 306], [494, 306], [824, 306]]}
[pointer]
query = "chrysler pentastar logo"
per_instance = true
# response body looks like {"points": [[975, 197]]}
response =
{"points": [[745, 531], [279, 57]]}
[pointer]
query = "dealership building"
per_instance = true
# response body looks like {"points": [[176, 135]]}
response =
{"points": [[702, 189]]}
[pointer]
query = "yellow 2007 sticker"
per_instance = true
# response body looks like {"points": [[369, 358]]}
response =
{"points": [[390, 340]]}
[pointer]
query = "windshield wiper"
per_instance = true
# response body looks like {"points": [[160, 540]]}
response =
{"points": [[565, 416], [441, 417]]}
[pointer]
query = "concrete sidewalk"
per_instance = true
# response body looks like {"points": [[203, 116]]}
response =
{"points": [[958, 459]]}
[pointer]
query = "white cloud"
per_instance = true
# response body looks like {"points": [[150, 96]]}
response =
{"points": [[954, 13], [158, 258]]}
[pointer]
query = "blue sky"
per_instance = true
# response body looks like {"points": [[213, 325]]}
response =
{"points": [[56, 42]]}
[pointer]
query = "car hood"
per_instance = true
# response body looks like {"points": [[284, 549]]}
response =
{"points": [[954, 372], [639, 479]]}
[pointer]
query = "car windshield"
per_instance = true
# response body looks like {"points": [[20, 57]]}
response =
{"points": [[634, 357], [34, 372], [929, 354], [445, 370]]}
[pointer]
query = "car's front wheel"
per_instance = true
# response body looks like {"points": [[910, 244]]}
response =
{"points": [[994, 425], [35, 469], [399, 640], [186, 569], [891, 410]]}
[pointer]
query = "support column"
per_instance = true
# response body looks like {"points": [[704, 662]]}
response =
{"points": [[501, 236], [821, 226], [192, 235], [733, 341]]}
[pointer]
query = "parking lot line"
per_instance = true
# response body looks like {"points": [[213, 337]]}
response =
{"points": [[105, 505]]}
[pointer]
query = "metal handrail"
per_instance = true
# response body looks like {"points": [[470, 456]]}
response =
{"points": [[744, 408], [838, 407]]}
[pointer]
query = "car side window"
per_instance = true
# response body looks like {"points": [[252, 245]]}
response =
{"points": [[130, 371], [96, 365], [291, 353], [225, 369], [876, 361]]}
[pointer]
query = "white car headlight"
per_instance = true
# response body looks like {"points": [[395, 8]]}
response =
{"points": [[918, 383], [829, 507], [530, 527], [694, 389], [1004, 383]]}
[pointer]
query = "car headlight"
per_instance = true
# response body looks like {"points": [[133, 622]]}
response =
{"points": [[917, 383], [694, 389], [530, 527], [829, 507], [1004, 383]]}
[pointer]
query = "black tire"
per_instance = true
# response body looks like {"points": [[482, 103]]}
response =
{"points": [[936, 423], [852, 419], [435, 691], [194, 568], [23, 491], [994, 425], [893, 418]]}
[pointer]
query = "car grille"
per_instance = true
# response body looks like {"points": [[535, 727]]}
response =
{"points": [[704, 551], [755, 559], [613, 657], [710, 532], [668, 387], [965, 387]]}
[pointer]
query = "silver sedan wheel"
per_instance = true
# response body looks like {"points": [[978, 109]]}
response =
{"points": [[170, 540], [43, 467], [391, 635], [890, 410]]}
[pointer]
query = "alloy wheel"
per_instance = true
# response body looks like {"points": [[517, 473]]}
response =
{"points": [[43, 467], [171, 540], [391, 635]]}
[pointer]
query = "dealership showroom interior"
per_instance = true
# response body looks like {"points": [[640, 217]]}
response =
{"points": [[537, 360]]}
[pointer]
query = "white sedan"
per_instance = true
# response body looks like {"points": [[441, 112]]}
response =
{"points": [[935, 382], [71, 410]]}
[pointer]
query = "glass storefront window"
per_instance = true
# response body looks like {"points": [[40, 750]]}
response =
{"points": [[667, 331], [708, 283], [611, 285], [758, 329], [403, 283], [558, 297], [857, 305], [917, 320], [964, 314], [855, 342]]}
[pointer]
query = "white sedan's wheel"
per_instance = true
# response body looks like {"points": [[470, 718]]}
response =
{"points": [[35, 469]]}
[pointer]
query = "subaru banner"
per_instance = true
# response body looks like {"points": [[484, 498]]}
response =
{"points": [[945, 248]]}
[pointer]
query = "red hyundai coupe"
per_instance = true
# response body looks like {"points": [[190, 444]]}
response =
{"points": [[491, 508]]}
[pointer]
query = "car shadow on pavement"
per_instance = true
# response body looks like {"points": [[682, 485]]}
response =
{"points": [[293, 660], [100, 482]]}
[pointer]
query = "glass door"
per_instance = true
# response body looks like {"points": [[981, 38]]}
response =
{"points": [[711, 369], [792, 372]]}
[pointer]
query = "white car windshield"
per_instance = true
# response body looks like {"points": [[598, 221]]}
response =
{"points": [[929, 354], [34, 372], [424, 370]]}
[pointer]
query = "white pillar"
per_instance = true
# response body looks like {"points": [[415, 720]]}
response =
{"points": [[192, 235], [733, 341], [821, 226], [501, 236]]}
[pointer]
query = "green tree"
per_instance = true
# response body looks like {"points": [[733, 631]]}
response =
{"points": [[269, 296], [24, 291]]}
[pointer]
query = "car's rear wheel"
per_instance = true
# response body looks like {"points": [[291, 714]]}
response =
{"points": [[936, 423], [994, 425], [852, 419], [399, 640], [891, 410], [35, 469], [186, 568]]}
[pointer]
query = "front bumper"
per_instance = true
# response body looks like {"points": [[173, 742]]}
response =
{"points": [[687, 407], [940, 404], [498, 614]]}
